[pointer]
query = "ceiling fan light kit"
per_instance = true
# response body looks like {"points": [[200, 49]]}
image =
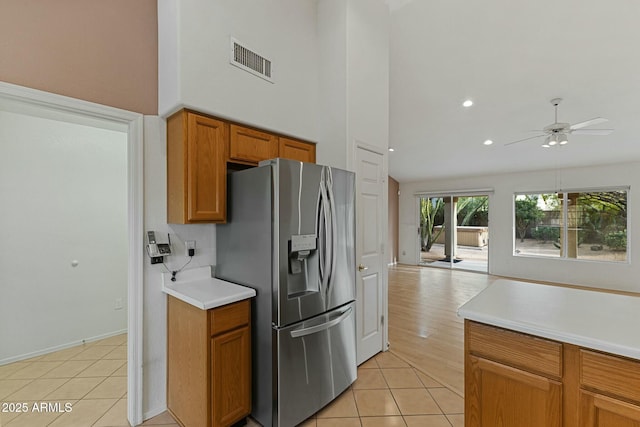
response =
{"points": [[557, 134]]}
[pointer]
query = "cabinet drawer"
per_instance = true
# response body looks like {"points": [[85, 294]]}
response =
{"points": [[524, 351], [610, 374], [229, 317], [251, 146]]}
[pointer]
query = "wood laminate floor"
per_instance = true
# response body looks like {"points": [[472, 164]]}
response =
{"points": [[424, 328]]}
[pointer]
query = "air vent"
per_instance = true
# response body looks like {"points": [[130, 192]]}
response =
{"points": [[248, 60]]}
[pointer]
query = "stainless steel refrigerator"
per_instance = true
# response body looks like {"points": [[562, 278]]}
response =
{"points": [[291, 235]]}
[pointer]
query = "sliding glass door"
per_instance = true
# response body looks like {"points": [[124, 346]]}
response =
{"points": [[431, 239], [454, 231]]}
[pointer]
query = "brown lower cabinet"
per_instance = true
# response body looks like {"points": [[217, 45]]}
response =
{"points": [[208, 363], [515, 379]]}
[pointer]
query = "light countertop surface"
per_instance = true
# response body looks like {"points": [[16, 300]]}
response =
{"points": [[196, 287], [597, 320]]}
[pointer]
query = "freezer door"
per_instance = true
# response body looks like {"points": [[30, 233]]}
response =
{"points": [[316, 362], [314, 222]]}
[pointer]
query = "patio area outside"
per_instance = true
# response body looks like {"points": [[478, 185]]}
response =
{"points": [[585, 251], [471, 258]]}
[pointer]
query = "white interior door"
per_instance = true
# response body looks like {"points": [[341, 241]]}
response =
{"points": [[370, 187]]}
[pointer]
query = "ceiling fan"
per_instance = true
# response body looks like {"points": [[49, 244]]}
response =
{"points": [[557, 134]]}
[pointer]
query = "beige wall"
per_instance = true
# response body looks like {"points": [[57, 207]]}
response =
{"points": [[100, 51], [394, 207]]}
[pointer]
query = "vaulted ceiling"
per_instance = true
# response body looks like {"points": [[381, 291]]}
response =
{"points": [[510, 58]]}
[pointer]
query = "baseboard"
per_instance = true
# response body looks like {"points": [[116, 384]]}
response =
{"points": [[153, 413], [59, 347]]}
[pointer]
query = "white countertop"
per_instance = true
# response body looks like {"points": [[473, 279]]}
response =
{"points": [[196, 287], [597, 320]]}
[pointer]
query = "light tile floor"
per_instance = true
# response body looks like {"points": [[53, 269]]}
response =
{"points": [[388, 393], [92, 379], [79, 386]]}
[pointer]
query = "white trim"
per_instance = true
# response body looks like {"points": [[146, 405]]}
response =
{"points": [[133, 122], [154, 412], [135, 290], [446, 193], [60, 347], [577, 190]]}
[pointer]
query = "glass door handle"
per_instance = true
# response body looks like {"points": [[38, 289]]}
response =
{"points": [[362, 267]]}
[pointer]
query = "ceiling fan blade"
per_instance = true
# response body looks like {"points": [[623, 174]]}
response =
{"points": [[591, 122], [592, 131], [525, 139]]}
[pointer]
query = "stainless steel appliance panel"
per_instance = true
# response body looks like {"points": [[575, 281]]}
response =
{"points": [[244, 256], [314, 202], [291, 236], [317, 362]]}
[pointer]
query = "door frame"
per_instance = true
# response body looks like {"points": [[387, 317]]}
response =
{"points": [[88, 112], [384, 267]]}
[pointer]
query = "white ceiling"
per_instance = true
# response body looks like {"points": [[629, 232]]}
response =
{"points": [[511, 58]]}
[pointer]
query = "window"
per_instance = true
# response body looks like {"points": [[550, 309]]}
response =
{"points": [[588, 225]]}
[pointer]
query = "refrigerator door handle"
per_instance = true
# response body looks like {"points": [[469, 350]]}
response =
{"points": [[322, 327], [333, 230]]}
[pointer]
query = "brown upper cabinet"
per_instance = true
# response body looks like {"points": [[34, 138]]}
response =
{"points": [[251, 146], [200, 149], [196, 168], [297, 150]]}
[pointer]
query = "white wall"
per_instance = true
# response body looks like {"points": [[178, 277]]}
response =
{"points": [[332, 118], [155, 219], [354, 79], [620, 276], [195, 69], [368, 74], [63, 188]]}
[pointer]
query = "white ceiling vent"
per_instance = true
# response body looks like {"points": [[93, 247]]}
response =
{"points": [[248, 60]]}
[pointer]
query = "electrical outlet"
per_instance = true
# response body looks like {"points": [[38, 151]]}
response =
{"points": [[190, 247], [118, 304]]}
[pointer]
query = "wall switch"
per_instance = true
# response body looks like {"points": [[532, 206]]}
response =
{"points": [[118, 304], [190, 247]]}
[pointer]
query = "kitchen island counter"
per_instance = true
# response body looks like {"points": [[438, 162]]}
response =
{"points": [[598, 320]]}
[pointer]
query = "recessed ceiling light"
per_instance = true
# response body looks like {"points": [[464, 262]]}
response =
{"points": [[391, 149], [488, 142], [467, 103]]}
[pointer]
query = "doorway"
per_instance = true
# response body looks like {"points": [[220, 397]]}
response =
{"points": [[371, 293], [454, 231], [70, 193]]}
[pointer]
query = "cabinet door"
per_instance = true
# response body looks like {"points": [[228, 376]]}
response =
{"points": [[501, 396], [602, 411], [231, 376], [251, 146], [297, 150], [206, 166]]}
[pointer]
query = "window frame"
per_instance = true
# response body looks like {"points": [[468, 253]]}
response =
{"points": [[565, 217]]}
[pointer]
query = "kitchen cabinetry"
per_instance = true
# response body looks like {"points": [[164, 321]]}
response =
{"points": [[518, 379], [297, 150], [251, 146], [208, 363], [512, 379], [196, 168], [609, 390], [200, 150]]}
